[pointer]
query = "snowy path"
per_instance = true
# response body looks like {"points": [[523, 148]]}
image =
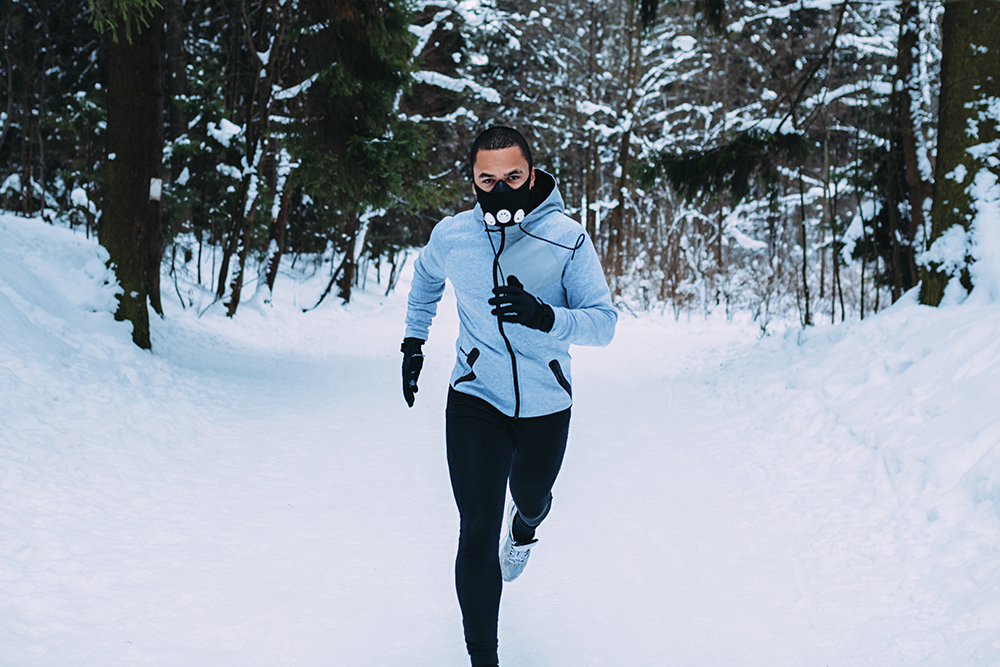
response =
{"points": [[291, 510], [257, 493]]}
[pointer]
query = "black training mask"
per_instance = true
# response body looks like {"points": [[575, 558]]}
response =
{"points": [[503, 205]]}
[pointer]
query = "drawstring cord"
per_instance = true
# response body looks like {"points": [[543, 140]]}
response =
{"points": [[499, 279]]}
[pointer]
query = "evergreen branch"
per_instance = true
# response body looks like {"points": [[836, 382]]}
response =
{"points": [[113, 14], [731, 168]]}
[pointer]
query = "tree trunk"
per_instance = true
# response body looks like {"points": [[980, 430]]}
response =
{"points": [[176, 67], [349, 265], [10, 82], [919, 188], [893, 187], [807, 315], [245, 234], [26, 156], [130, 227], [276, 237], [40, 126], [616, 220], [970, 60]]}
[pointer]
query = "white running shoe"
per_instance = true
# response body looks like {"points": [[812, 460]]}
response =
{"points": [[513, 556]]}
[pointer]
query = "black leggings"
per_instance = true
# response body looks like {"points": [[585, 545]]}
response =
{"points": [[485, 447]]}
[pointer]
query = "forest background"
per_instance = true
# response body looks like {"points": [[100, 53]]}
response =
{"points": [[810, 159]]}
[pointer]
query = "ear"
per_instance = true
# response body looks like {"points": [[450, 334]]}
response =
{"points": [[531, 183]]}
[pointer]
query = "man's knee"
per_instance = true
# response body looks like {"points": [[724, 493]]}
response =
{"points": [[533, 514]]}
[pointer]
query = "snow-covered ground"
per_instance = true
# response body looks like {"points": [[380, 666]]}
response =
{"points": [[255, 491]]}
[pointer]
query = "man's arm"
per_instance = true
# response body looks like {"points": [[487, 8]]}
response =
{"points": [[427, 287], [590, 317]]}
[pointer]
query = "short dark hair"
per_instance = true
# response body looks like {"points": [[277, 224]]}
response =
{"points": [[497, 138]]}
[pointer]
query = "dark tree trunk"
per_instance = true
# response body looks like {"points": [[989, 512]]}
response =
{"points": [[919, 189], [131, 222], [245, 233], [276, 240], [970, 61], [255, 128], [807, 314], [617, 236], [349, 265], [176, 68], [892, 212], [26, 149], [10, 81], [229, 246]]}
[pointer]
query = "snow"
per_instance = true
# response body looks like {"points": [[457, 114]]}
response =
{"points": [[958, 174], [588, 108], [229, 170], [732, 227], [225, 131], [254, 491], [265, 56], [78, 197], [457, 85], [782, 12], [949, 250], [454, 116], [12, 184], [293, 91], [985, 191], [684, 42], [423, 33]]}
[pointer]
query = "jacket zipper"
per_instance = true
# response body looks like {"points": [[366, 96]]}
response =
{"points": [[510, 348]]}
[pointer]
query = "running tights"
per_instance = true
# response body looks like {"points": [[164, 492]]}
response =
{"points": [[485, 448]]}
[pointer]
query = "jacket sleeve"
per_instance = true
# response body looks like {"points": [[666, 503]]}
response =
{"points": [[590, 317], [427, 286]]}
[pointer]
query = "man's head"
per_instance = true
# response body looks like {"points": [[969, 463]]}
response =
{"points": [[501, 154]]}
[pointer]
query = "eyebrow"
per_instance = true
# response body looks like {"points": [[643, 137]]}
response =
{"points": [[517, 170]]}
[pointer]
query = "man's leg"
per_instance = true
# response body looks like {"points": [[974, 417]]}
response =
{"points": [[479, 454], [539, 446]]}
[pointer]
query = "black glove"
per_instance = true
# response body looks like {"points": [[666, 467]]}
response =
{"points": [[512, 304], [413, 361]]}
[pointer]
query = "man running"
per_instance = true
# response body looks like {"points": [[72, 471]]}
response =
{"points": [[528, 284]]}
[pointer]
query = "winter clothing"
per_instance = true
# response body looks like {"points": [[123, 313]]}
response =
{"points": [[515, 305], [523, 372], [504, 205], [514, 553], [526, 290], [413, 361], [483, 446]]}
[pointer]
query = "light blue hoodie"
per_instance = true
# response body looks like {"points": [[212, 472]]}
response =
{"points": [[562, 270]]}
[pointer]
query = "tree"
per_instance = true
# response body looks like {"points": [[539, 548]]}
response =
{"points": [[131, 229], [968, 138], [356, 152]]}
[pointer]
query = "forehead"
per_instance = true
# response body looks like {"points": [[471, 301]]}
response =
{"points": [[500, 161]]}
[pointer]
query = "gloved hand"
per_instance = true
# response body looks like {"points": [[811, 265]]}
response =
{"points": [[512, 304], [413, 361]]}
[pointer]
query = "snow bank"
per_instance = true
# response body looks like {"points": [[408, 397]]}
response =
{"points": [[885, 445]]}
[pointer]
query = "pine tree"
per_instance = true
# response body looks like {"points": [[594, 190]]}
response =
{"points": [[357, 156]]}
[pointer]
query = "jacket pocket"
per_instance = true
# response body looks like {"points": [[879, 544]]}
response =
{"points": [[560, 378], [470, 359]]}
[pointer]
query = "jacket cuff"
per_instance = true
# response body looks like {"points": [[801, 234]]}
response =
{"points": [[548, 318]]}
